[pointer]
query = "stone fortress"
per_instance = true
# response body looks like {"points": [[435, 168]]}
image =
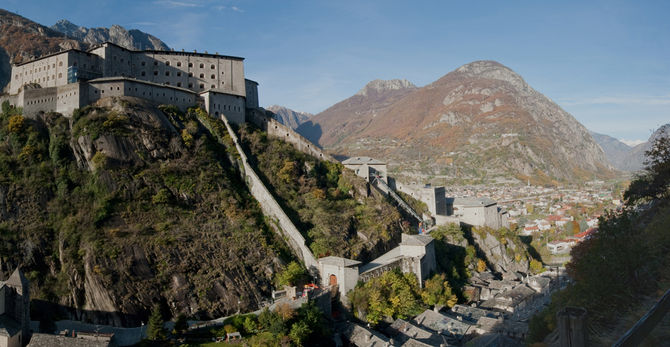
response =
{"points": [[67, 80], [14, 310]]}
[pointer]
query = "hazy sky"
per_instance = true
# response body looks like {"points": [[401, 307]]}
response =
{"points": [[606, 62]]}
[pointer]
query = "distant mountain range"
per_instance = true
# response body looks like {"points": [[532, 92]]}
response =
{"points": [[22, 39], [481, 120], [624, 157], [133, 39], [288, 116]]}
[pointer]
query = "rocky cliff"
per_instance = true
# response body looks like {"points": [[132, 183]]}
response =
{"points": [[124, 206], [288, 116], [480, 120], [503, 251], [131, 39], [634, 159]]}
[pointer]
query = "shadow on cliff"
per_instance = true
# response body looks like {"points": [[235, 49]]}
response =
{"points": [[47, 313], [310, 131]]}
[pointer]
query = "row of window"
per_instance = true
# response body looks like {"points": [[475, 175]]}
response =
{"points": [[167, 63], [39, 101]]}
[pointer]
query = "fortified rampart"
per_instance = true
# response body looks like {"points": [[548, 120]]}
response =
{"points": [[277, 130], [272, 209]]}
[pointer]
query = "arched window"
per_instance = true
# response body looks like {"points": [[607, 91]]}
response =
{"points": [[60, 75], [190, 64], [155, 63], [190, 74], [144, 63], [167, 73], [178, 63], [167, 62], [212, 86], [202, 65], [155, 73], [60, 63], [212, 67], [213, 76], [202, 86], [202, 75]]}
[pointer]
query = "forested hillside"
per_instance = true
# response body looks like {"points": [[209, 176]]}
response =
{"points": [[125, 206]]}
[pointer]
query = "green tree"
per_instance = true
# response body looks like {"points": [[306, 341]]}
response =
{"points": [[271, 321], [155, 330], [654, 182], [292, 275], [437, 292], [299, 332]]}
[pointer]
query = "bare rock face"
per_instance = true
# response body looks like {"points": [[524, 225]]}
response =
{"points": [[505, 255], [131, 39], [288, 116], [481, 118]]}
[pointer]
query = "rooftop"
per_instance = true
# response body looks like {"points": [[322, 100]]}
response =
{"points": [[416, 240], [122, 78], [47, 340], [363, 160], [442, 324], [338, 261], [471, 202]]}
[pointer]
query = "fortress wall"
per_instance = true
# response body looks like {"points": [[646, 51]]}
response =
{"points": [[39, 100], [48, 72], [158, 94], [273, 210], [251, 93], [278, 130], [70, 97], [232, 106]]}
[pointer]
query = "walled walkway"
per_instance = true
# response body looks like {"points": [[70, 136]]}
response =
{"points": [[273, 210]]}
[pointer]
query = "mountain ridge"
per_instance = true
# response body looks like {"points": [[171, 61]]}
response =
{"points": [[289, 117], [481, 119], [132, 39]]}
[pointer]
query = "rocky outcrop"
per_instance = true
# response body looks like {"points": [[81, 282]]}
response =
{"points": [[615, 150], [634, 159], [288, 117], [504, 254], [131, 39]]}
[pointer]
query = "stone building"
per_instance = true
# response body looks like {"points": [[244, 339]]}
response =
{"points": [[71, 79], [415, 254], [367, 168], [477, 212], [14, 311]]}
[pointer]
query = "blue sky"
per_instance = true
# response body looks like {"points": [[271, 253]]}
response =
{"points": [[605, 62]]}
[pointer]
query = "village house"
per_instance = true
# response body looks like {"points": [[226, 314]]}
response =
{"points": [[14, 310]]}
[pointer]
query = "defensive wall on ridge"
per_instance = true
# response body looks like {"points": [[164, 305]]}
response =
{"points": [[277, 130], [272, 209]]}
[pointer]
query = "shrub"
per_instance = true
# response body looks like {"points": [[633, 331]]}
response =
{"points": [[161, 197], [99, 160], [16, 124]]}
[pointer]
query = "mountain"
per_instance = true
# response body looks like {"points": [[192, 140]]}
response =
{"points": [[634, 159], [131, 39], [22, 39], [288, 116], [480, 120], [615, 150], [354, 113]]}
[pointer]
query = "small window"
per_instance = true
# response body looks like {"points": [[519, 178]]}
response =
{"points": [[155, 63], [202, 75], [144, 63], [213, 76], [53, 65], [167, 63], [178, 74], [202, 65], [60, 63], [178, 84], [212, 67], [144, 73], [212, 86], [178, 63], [167, 73], [167, 83], [190, 85], [190, 74], [60, 75], [155, 73], [122, 60], [190, 64], [202, 86], [117, 88]]}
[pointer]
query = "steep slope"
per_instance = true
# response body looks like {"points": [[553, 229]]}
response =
{"points": [[22, 39], [481, 120], [132, 39], [288, 116], [634, 159], [125, 206], [352, 115], [615, 150]]}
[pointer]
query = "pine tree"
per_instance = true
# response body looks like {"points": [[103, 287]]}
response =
{"points": [[155, 330]]}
